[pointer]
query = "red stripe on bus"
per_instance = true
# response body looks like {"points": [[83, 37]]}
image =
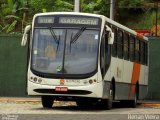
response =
{"points": [[135, 78]]}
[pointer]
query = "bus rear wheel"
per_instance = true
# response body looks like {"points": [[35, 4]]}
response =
{"points": [[133, 103], [47, 101]]}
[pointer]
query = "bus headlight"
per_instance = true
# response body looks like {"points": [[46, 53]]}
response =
{"points": [[95, 80], [90, 81], [35, 79], [39, 80]]}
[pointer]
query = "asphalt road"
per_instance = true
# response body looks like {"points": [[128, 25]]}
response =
{"points": [[21, 110]]}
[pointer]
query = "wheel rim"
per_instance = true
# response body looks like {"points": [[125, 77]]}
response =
{"points": [[111, 93], [135, 98]]}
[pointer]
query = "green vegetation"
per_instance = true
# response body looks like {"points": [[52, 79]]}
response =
{"points": [[16, 14], [145, 21]]}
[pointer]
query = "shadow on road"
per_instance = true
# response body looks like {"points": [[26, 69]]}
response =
{"points": [[116, 105]]}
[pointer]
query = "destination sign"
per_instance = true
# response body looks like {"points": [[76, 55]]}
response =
{"points": [[76, 20], [45, 19]]}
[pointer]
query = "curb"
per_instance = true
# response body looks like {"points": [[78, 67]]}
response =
{"points": [[19, 100], [38, 100], [8, 100], [150, 104]]}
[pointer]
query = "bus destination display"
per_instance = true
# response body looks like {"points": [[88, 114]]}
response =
{"points": [[64, 21], [45, 19], [75, 20]]}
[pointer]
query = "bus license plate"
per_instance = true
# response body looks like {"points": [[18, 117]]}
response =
{"points": [[63, 89]]}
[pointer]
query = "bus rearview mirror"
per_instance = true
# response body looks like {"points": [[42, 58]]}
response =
{"points": [[25, 35], [111, 38], [110, 35]]}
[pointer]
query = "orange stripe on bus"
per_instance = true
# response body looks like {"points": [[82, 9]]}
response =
{"points": [[135, 78]]}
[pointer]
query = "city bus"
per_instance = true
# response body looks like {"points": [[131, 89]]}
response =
{"points": [[86, 58]]}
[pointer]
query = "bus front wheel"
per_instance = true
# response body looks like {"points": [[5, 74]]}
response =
{"points": [[107, 103], [47, 101]]}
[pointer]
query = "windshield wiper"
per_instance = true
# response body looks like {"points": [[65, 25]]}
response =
{"points": [[76, 36], [57, 40]]}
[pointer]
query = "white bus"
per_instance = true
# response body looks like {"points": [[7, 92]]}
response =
{"points": [[86, 58]]}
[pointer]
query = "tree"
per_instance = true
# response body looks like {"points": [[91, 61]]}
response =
{"points": [[96, 6], [5, 9], [15, 14], [130, 3], [50, 5]]}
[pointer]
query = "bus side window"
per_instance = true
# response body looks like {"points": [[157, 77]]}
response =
{"points": [[137, 51], [142, 52], [120, 43], [126, 45], [114, 46], [107, 52], [132, 48], [146, 54]]}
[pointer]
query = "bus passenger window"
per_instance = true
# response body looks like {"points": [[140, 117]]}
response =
{"points": [[126, 46], [132, 48], [114, 46], [137, 51], [120, 44], [146, 54], [142, 52]]}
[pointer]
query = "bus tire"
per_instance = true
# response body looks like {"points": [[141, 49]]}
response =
{"points": [[80, 103], [47, 101], [133, 103], [107, 103], [111, 96], [84, 102]]}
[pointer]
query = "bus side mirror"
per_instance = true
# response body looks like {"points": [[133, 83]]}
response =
{"points": [[110, 35], [25, 35]]}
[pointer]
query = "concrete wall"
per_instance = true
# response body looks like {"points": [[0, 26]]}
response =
{"points": [[12, 66], [154, 69]]}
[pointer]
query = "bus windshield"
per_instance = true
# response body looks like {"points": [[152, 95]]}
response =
{"points": [[65, 51]]}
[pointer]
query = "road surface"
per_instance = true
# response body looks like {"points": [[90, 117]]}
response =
{"points": [[31, 110]]}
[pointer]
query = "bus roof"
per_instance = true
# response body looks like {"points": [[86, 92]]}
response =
{"points": [[68, 13], [138, 35], [100, 16]]}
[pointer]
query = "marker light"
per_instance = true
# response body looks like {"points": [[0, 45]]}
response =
{"points": [[90, 81]]}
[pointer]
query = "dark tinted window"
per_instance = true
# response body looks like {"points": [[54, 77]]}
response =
{"points": [[114, 47], [142, 52], [132, 48], [137, 50], [120, 44], [126, 46], [146, 54]]}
